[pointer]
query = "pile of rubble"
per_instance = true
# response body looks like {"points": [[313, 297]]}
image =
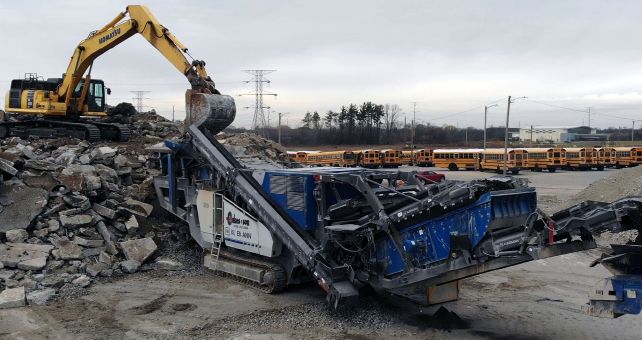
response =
{"points": [[154, 127], [254, 151], [70, 213]]}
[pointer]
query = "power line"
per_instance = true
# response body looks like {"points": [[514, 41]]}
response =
{"points": [[467, 110], [258, 121], [139, 99]]}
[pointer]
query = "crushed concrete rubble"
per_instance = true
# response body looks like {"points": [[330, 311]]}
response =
{"points": [[72, 212], [254, 151]]}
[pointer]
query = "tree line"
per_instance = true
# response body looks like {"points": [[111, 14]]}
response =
{"points": [[384, 124]]}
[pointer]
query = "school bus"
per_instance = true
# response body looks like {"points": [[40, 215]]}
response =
{"points": [[298, 156], [424, 157], [545, 158], [625, 156], [582, 159], [368, 158], [606, 156], [390, 158], [493, 159], [455, 159], [332, 158], [407, 157]]}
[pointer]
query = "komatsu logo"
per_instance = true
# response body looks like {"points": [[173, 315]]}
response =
{"points": [[231, 219], [109, 36]]}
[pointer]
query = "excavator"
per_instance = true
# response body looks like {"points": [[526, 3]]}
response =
{"points": [[72, 106]]}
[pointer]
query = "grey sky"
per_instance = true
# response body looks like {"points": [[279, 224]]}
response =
{"points": [[449, 56]]}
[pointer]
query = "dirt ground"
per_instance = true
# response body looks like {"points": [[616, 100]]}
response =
{"points": [[538, 300]]}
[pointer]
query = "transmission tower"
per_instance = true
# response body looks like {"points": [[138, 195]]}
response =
{"points": [[258, 121], [139, 99]]}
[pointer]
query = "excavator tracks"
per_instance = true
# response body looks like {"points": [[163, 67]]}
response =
{"points": [[277, 275], [48, 128]]}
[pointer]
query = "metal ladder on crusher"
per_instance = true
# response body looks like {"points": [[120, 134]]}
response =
{"points": [[216, 249]]}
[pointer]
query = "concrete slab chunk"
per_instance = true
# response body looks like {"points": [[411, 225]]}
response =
{"points": [[12, 298], [28, 203], [33, 264], [139, 250], [40, 297], [13, 253]]}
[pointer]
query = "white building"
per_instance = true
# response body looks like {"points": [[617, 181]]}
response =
{"points": [[559, 134]]}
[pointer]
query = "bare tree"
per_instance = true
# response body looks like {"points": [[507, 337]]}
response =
{"points": [[391, 113]]}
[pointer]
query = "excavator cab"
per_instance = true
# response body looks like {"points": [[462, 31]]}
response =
{"points": [[95, 95]]}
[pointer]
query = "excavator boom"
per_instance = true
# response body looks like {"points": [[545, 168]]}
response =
{"points": [[76, 95]]}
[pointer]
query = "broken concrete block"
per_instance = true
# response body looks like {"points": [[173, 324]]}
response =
{"points": [[139, 250], [33, 264], [67, 250], [13, 253], [87, 242], [131, 225], [53, 225], [16, 235], [165, 263], [82, 281], [41, 165], [107, 173], [12, 298], [77, 201], [104, 152], [40, 297], [130, 266], [7, 166], [28, 203], [104, 211], [95, 268], [103, 257], [55, 281], [138, 208], [41, 233], [75, 221]]}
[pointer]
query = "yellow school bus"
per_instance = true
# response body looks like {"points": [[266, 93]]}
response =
{"points": [[368, 158], [390, 158], [424, 157], [298, 156], [493, 159], [624, 156], [407, 157], [332, 158], [606, 156], [545, 158], [582, 159], [455, 159]]}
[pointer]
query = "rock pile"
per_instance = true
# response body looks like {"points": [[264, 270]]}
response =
{"points": [[71, 212], [252, 149]]}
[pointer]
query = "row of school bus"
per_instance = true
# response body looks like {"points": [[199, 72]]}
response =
{"points": [[535, 159]]}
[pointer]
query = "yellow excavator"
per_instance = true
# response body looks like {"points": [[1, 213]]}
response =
{"points": [[72, 106]]}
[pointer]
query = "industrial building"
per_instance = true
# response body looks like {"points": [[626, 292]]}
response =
{"points": [[560, 134]]}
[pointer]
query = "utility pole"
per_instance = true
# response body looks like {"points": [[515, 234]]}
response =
{"points": [[414, 116], [531, 135], [139, 99], [485, 120], [506, 135], [633, 132], [258, 121], [466, 135], [589, 118], [172, 113], [279, 127]]}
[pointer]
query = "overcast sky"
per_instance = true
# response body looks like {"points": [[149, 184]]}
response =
{"points": [[451, 57]]}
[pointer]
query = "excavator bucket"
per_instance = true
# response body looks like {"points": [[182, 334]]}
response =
{"points": [[212, 112]]}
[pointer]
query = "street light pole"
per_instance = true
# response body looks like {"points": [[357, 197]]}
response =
{"points": [[485, 120], [414, 114]]}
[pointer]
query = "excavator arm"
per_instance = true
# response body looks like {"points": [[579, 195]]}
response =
{"points": [[142, 21]]}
